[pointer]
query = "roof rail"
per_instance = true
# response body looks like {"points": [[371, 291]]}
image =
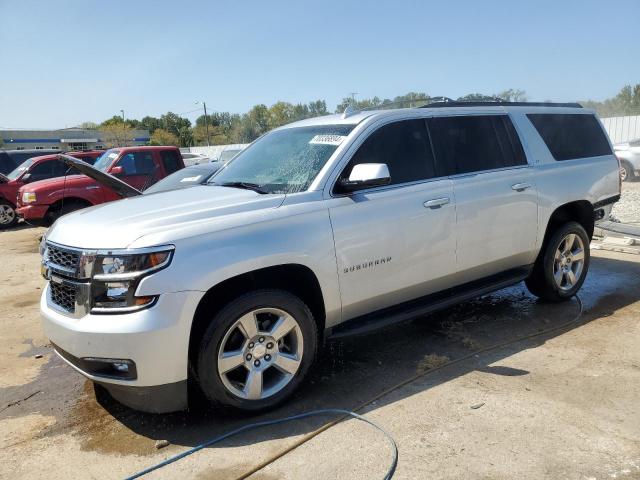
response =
{"points": [[499, 103]]}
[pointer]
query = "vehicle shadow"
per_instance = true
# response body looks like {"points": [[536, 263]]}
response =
{"points": [[354, 370]]}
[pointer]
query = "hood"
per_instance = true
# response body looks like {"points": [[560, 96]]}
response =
{"points": [[3, 178], [56, 183], [166, 216], [621, 146], [123, 189]]}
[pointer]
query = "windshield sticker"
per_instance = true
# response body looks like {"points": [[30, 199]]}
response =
{"points": [[191, 179], [327, 140]]}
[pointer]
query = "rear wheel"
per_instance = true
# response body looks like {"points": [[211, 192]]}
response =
{"points": [[8, 215], [626, 172], [562, 267], [257, 350]]}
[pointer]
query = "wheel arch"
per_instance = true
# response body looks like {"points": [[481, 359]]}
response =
{"points": [[580, 211], [296, 279], [58, 204]]}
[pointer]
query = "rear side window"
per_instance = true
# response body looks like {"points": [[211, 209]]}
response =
{"points": [[403, 146], [170, 161], [137, 163], [465, 144], [571, 136]]}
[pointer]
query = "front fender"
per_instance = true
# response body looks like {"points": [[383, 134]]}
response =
{"points": [[306, 239]]}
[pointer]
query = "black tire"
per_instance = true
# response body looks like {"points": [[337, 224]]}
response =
{"points": [[8, 215], [541, 282], [66, 208], [207, 372], [626, 172]]}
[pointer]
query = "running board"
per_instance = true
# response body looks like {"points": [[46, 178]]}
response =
{"points": [[429, 303]]}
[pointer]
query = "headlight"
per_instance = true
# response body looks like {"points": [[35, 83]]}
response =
{"points": [[28, 197], [116, 277]]}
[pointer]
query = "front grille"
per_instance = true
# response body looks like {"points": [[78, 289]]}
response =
{"points": [[64, 296], [62, 259]]}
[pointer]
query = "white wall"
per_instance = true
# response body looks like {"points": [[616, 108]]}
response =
{"points": [[215, 150], [622, 129]]}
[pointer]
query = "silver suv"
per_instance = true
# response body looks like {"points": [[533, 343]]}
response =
{"points": [[327, 226]]}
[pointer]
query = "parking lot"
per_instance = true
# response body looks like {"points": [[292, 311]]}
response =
{"points": [[562, 403]]}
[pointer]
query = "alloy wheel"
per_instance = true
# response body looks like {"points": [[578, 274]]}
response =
{"points": [[568, 263], [7, 214], [260, 354], [623, 174]]}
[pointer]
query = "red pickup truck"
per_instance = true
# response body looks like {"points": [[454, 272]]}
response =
{"points": [[32, 170], [41, 203]]}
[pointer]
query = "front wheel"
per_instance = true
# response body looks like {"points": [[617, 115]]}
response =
{"points": [[8, 216], [257, 350], [562, 267]]}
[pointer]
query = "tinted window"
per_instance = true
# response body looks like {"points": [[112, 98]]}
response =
{"points": [[45, 170], [6, 163], [474, 143], [571, 136], [137, 163], [170, 161], [403, 146]]}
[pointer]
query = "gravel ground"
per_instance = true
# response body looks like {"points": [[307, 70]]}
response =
{"points": [[627, 210]]}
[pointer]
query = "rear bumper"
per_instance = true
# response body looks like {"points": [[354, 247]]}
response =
{"points": [[32, 212]]}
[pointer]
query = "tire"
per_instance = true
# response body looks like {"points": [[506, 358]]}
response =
{"points": [[8, 215], [235, 347], [626, 172], [66, 208], [551, 278]]}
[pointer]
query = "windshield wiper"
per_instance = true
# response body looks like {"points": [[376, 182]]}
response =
{"points": [[246, 185]]}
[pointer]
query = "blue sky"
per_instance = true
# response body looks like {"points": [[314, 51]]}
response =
{"points": [[64, 62]]}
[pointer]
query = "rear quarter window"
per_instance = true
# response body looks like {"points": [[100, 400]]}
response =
{"points": [[571, 136]]}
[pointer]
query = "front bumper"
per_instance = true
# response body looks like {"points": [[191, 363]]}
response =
{"points": [[32, 212], [156, 340]]}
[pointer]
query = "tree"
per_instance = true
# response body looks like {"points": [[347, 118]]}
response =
{"points": [[172, 122], [626, 102], [150, 123], [116, 134], [513, 95], [88, 125], [161, 137]]}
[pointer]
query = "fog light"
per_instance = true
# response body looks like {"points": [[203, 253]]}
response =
{"points": [[121, 367]]}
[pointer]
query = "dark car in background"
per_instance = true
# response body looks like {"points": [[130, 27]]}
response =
{"points": [[10, 159]]}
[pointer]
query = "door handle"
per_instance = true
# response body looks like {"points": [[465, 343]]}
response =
{"points": [[436, 202], [520, 187]]}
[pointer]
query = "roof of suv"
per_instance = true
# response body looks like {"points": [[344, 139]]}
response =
{"points": [[455, 107]]}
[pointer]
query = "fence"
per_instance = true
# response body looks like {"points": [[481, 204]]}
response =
{"points": [[215, 151], [622, 129]]}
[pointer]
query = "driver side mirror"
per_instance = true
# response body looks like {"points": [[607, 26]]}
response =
{"points": [[118, 170], [25, 178], [365, 175]]}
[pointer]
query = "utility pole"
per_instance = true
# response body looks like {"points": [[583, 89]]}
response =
{"points": [[122, 112], [206, 121], [353, 98]]}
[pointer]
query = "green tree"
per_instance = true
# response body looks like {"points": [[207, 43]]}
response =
{"points": [[150, 123], [626, 102], [172, 122], [116, 134], [162, 137], [88, 125], [513, 95]]}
